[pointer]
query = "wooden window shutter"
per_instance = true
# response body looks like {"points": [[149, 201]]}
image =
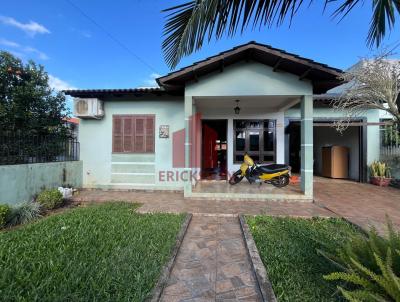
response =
{"points": [[149, 134], [140, 134], [133, 133], [128, 134], [117, 141]]}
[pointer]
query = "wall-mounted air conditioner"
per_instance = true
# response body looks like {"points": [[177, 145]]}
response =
{"points": [[88, 108]]}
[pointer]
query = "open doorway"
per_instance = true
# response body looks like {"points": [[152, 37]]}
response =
{"points": [[214, 157], [326, 136]]}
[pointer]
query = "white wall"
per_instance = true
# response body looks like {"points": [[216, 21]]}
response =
{"points": [[248, 78], [96, 144]]}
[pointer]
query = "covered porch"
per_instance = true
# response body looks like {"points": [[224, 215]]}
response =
{"points": [[258, 130]]}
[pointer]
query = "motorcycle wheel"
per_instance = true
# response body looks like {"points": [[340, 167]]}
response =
{"points": [[281, 181], [236, 178]]}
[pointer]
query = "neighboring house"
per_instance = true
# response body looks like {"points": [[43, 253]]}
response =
{"points": [[252, 98], [72, 124]]}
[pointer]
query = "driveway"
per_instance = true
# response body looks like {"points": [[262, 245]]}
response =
{"points": [[363, 204]]}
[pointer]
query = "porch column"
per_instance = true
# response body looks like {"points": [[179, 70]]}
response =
{"points": [[188, 115], [307, 159]]}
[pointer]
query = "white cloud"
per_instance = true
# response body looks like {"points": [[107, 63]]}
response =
{"points": [[22, 51], [31, 28], [41, 55], [151, 81], [9, 43], [59, 84]]}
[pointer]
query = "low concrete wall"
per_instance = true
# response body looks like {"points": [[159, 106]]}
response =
{"points": [[21, 182]]}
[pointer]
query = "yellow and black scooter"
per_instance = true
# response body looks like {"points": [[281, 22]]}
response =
{"points": [[276, 174]]}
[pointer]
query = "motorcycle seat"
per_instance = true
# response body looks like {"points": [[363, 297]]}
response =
{"points": [[273, 168]]}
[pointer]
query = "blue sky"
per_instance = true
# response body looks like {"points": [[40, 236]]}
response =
{"points": [[77, 53]]}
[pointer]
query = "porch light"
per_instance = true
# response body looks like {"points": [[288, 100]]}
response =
{"points": [[237, 108]]}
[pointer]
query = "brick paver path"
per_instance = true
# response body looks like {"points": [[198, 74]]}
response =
{"points": [[212, 264], [363, 204], [175, 203]]}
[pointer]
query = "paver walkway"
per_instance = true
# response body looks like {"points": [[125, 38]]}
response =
{"points": [[363, 204], [170, 202], [212, 264]]}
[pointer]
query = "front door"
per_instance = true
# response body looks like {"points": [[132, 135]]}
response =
{"points": [[214, 149]]}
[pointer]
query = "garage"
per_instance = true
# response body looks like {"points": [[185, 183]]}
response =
{"points": [[343, 151]]}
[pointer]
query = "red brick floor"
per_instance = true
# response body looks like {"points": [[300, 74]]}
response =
{"points": [[364, 204], [175, 203]]}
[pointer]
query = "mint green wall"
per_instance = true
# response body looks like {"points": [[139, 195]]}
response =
{"points": [[102, 169], [248, 79], [372, 131], [20, 183]]}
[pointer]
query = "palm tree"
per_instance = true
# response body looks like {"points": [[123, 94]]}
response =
{"points": [[189, 24]]}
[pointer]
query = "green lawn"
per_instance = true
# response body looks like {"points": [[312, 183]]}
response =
{"points": [[102, 252], [288, 246]]}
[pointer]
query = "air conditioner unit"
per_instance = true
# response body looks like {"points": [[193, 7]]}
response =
{"points": [[88, 108]]}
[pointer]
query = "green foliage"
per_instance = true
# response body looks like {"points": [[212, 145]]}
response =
{"points": [[23, 213], [379, 169], [370, 266], [103, 252], [4, 214], [288, 249], [30, 110], [50, 199], [390, 135], [189, 25]]}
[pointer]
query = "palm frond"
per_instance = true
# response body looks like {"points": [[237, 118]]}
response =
{"points": [[189, 24]]}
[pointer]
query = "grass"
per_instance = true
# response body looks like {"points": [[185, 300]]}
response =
{"points": [[102, 252], [287, 247]]}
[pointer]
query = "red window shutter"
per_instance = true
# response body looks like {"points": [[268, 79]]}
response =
{"points": [[128, 134], [150, 134], [133, 133], [139, 135], [117, 142]]}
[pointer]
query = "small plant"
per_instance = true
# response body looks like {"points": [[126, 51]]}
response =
{"points": [[23, 213], [4, 214], [369, 266], [380, 169], [50, 199], [380, 173]]}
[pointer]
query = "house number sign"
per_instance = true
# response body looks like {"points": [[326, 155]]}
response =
{"points": [[164, 131]]}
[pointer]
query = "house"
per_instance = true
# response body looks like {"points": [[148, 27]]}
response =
{"points": [[72, 123], [203, 118]]}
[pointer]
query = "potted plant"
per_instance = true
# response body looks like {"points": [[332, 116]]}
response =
{"points": [[380, 174]]}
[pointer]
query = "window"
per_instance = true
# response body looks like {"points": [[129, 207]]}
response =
{"points": [[256, 138], [133, 133]]}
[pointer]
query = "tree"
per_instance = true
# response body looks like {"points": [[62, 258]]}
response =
{"points": [[32, 114], [371, 84], [189, 24], [28, 105]]}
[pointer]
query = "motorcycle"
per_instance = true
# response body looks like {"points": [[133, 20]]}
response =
{"points": [[276, 174]]}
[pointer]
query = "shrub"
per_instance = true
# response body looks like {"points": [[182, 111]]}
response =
{"points": [[50, 199], [24, 213], [4, 213], [369, 266]]}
